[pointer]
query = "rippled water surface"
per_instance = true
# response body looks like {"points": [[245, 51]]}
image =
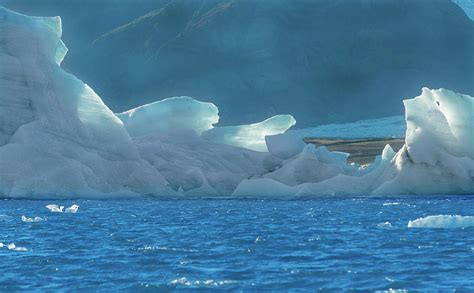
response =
{"points": [[149, 244]]}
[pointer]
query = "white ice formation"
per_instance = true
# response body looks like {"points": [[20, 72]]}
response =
{"points": [[26, 219], [56, 134], [250, 136], [442, 221], [54, 208], [170, 115], [437, 158], [59, 140]]}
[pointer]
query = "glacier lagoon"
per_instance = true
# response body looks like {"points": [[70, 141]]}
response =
{"points": [[59, 141], [252, 245]]}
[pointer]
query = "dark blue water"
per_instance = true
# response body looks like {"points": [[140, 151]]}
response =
{"points": [[147, 244]]}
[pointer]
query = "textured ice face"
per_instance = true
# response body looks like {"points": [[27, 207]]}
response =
{"points": [[437, 158], [439, 121], [169, 115], [57, 138], [250, 136]]}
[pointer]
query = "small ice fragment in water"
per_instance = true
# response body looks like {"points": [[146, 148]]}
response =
{"points": [[54, 208], [13, 247], [443, 221], [385, 225], [72, 209], [391, 203], [31, 220]]}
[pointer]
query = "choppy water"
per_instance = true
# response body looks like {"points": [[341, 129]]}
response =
{"points": [[147, 244]]}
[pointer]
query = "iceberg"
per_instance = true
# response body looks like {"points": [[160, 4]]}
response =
{"points": [[59, 140], [169, 115], [251, 136], [436, 159], [56, 134]]}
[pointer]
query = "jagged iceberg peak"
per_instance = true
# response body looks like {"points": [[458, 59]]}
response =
{"points": [[169, 115], [48, 37], [439, 121]]}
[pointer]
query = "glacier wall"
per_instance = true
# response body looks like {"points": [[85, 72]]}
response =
{"points": [[59, 140]]}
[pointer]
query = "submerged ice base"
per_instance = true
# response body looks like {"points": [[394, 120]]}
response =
{"points": [[59, 140]]}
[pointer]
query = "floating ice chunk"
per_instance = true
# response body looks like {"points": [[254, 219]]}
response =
{"points": [[170, 115], [284, 145], [31, 220], [72, 209], [442, 221], [385, 225], [54, 208], [13, 247], [250, 136]]}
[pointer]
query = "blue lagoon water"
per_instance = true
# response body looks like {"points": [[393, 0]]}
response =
{"points": [[151, 245]]}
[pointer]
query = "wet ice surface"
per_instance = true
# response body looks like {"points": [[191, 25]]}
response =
{"points": [[360, 243]]}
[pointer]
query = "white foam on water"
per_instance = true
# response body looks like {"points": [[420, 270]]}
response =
{"points": [[5, 218], [391, 203], [210, 282], [442, 221]]}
